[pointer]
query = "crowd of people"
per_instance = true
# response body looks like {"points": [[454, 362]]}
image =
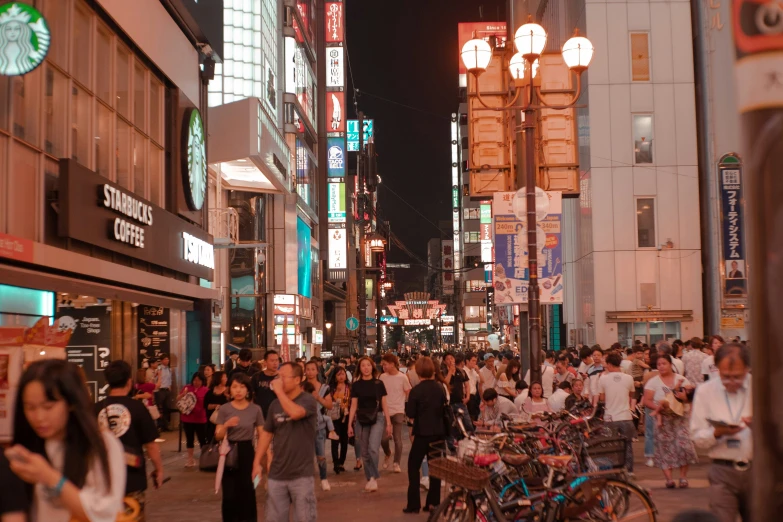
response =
{"points": [[75, 461]]}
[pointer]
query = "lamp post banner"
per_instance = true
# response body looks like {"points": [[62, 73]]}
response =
{"points": [[511, 252]]}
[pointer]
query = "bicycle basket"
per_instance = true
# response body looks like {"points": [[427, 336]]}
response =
{"points": [[470, 478], [468, 448], [607, 453]]}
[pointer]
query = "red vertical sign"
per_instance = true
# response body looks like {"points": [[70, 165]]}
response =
{"points": [[335, 22], [335, 112]]}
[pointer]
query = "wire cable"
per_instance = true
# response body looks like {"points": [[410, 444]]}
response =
{"points": [[386, 187], [411, 107]]}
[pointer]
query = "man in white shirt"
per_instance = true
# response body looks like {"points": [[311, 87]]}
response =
{"points": [[494, 407], [474, 385], [547, 374], [557, 400], [397, 388], [721, 418], [709, 370], [594, 372], [586, 355], [616, 390], [488, 375], [628, 361]]}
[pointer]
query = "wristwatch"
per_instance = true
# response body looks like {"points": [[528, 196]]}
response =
{"points": [[54, 492]]}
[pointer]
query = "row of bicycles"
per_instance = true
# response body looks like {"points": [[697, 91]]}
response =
{"points": [[561, 467]]}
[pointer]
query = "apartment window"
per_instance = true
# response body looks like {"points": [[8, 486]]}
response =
{"points": [[55, 119], [81, 37], [643, 138], [640, 57], [471, 213], [645, 222]]}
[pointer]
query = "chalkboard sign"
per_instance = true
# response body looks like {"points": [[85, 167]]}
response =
{"points": [[153, 332], [90, 345]]}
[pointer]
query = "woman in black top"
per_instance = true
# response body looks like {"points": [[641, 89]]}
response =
{"points": [[425, 406], [216, 397]]}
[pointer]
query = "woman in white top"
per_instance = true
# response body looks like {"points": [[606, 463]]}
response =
{"points": [[77, 471]]}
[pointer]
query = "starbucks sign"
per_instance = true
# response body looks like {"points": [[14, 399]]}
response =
{"points": [[24, 39], [195, 158]]}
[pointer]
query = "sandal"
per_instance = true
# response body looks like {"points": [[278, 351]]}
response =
{"points": [[358, 466], [670, 484], [683, 483]]}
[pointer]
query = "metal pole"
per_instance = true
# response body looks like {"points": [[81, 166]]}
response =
{"points": [[360, 200], [378, 307], [533, 311]]}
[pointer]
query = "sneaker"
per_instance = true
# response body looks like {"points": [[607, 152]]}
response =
{"points": [[325, 485], [190, 464], [635, 439], [371, 486], [425, 483], [397, 468], [386, 461], [650, 463], [333, 435]]}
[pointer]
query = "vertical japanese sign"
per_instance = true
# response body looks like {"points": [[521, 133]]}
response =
{"points": [[735, 270], [337, 212], [335, 67], [447, 261], [335, 113], [335, 22], [511, 255], [153, 332]]}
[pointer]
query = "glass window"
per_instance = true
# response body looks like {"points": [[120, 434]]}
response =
{"points": [[139, 98], [640, 57], [103, 148], [139, 164], [56, 14], [123, 154], [645, 222], [103, 54], [82, 18], [22, 198], [672, 330], [643, 138], [156, 175], [5, 85], [80, 126], [55, 118], [26, 98], [123, 80], [156, 110]]}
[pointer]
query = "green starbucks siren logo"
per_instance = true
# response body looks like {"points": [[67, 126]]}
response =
{"points": [[196, 167], [24, 39]]}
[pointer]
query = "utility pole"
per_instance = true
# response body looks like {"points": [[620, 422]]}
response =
{"points": [[361, 165]]}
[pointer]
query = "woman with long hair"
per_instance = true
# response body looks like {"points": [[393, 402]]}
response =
{"points": [[77, 470], [195, 422], [207, 370], [216, 397], [239, 420], [673, 445], [535, 402], [321, 395], [340, 389], [371, 415], [507, 380]]}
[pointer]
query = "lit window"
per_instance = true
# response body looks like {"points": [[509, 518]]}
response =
{"points": [[645, 222], [643, 138], [640, 57]]}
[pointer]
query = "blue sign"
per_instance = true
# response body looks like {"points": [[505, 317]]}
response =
{"points": [[735, 268], [389, 319], [352, 133], [352, 324], [335, 157]]}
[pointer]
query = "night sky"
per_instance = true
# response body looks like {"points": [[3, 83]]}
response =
{"points": [[405, 51]]}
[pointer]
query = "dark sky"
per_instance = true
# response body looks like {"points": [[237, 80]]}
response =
{"points": [[406, 51]]}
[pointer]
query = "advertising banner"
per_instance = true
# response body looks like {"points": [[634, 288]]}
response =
{"points": [[353, 133], [735, 270], [335, 113], [335, 157], [335, 67], [90, 343], [336, 212], [335, 22], [338, 256], [511, 255], [153, 333], [447, 257]]}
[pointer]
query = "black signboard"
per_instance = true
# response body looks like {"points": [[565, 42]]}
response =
{"points": [[153, 332], [102, 213], [90, 343]]}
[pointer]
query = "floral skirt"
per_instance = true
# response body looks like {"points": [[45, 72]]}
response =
{"points": [[673, 445]]}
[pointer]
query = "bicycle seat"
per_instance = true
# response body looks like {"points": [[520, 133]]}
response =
{"points": [[485, 460], [556, 461], [515, 459]]}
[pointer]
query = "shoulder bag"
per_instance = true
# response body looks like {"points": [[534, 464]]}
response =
{"points": [[187, 403], [448, 415], [368, 419], [675, 406]]}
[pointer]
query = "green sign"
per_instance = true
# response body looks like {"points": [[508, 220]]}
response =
{"points": [[455, 197], [24, 39], [486, 213], [336, 202], [195, 168]]}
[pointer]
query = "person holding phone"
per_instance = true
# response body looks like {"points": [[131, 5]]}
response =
{"points": [[721, 423], [76, 469]]}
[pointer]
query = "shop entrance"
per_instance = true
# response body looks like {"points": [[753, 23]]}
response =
{"points": [[648, 332]]}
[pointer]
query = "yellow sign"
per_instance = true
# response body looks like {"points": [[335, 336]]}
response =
{"points": [[732, 322]]}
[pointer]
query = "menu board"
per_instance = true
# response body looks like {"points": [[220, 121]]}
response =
{"points": [[153, 333], [90, 344]]}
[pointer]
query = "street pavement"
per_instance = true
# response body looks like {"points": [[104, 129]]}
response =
{"points": [[190, 494]]}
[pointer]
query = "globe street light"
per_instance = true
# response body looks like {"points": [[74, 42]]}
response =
{"points": [[530, 41]]}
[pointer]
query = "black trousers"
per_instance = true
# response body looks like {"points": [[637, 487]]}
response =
{"points": [[239, 495], [340, 447], [474, 404], [162, 399], [419, 450], [193, 430]]}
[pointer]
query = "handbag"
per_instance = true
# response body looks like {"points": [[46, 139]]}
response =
{"points": [[214, 417], [336, 412], [675, 406], [154, 412], [368, 419], [210, 455], [187, 403]]}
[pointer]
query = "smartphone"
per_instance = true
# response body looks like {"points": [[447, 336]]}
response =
{"points": [[721, 424], [14, 455], [256, 481]]}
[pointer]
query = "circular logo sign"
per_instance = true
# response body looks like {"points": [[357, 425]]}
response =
{"points": [[24, 39], [195, 160], [115, 417]]}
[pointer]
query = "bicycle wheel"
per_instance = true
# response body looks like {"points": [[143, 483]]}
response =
{"points": [[621, 501], [458, 507]]}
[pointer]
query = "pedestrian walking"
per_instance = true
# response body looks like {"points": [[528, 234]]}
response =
{"points": [[216, 397], [488, 374], [163, 392], [13, 494], [665, 395], [708, 367], [131, 422], [693, 359], [369, 418], [208, 371], [340, 388], [426, 404], [239, 421], [618, 393], [397, 389], [244, 364], [474, 385], [721, 423], [290, 427], [194, 422], [324, 399], [76, 470]]}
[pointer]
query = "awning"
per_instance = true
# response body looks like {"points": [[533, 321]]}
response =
{"points": [[247, 149]]}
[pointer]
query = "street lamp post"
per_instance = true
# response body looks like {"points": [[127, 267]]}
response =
{"points": [[529, 40]]}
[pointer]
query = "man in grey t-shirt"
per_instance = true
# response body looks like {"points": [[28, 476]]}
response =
{"points": [[291, 422]]}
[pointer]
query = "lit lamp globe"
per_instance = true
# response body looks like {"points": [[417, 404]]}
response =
{"points": [[476, 55], [530, 40], [577, 53], [516, 66]]}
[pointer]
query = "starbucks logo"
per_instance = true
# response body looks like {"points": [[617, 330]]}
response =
{"points": [[196, 161], [24, 39]]}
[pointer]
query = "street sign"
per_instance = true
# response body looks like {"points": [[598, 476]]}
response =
{"points": [[352, 133], [352, 324]]}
